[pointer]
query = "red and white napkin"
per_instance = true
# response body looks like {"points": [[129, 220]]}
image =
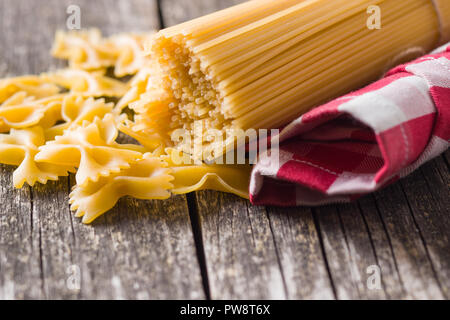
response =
{"points": [[358, 143]]}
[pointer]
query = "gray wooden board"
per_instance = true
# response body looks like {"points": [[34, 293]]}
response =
{"points": [[327, 252], [139, 250]]}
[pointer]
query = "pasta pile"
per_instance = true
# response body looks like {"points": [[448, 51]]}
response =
{"points": [[261, 64], [88, 50], [70, 121], [258, 65]]}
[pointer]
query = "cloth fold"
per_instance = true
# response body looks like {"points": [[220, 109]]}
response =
{"points": [[363, 141]]}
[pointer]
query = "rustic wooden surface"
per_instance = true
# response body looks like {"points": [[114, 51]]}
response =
{"points": [[208, 244]]}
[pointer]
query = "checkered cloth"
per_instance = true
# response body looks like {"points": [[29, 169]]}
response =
{"points": [[363, 141]]}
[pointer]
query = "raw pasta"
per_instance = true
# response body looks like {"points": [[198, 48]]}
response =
{"points": [[191, 177], [89, 84], [75, 110], [87, 50], [34, 86], [138, 86], [21, 112], [148, 178], [129, 49], [263, 63], [92, 148], [151, 141], [83, 49], [19, 148]]}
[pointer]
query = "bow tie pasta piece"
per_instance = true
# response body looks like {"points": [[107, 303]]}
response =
{"points": [[138, 85], [19, 148], [29, 112], [155, 119], [92, 148], [146, 179], [17, 98], [149, 100], [35, 86], [148, 80], [150, 140], [83, 49], [190, 177], [130, 52], [77, 109], [88, 84], [87, 50]]}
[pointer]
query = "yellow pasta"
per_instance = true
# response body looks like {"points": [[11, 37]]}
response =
{"points": [[21, 112], [83, 49], [129, 49], [138, 86], [33, 86], [148, 178], [17, 98], [19, 148], [150, 104], [89, 84], [150, 140], [92, 148], [75, 110], [191, 177], [87, 50], [263, 63]]}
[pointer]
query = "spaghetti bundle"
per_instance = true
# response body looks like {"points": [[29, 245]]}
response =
{"points": [[263, 63]]}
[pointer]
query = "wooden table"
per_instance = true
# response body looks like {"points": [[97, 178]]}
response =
{"points": [[207, 244]]}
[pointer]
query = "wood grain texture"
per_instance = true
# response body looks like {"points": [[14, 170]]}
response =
{"points": [[326, 252], [139, 250]]}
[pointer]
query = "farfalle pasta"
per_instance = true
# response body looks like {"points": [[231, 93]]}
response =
{"points": [[83, 49], [92, 148], [150, 109], [23, 112], [75, 110], [138, 86], [150, 140], [129, 49], [192, 177], [146, 179], [34, 86], [89, 84], [19, 148], [88, 50], [59, 122]]}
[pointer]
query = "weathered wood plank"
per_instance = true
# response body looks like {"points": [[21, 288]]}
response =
{"points": [[386, 233], [138, 250], [20, 275], [413, 263], [349, 251], [241, 258], [299, 251], [385, 259], [260, 253], [428, 194]]}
